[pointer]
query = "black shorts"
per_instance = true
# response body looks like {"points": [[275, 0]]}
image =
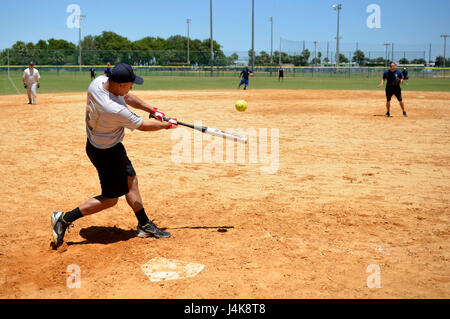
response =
{"points": [[113, 167], [393, 90]]}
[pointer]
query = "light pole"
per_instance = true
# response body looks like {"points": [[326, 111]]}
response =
{"points": [[393, 59], [271, 41], [253, 35], [337, 7], [188, 60], [429, 56], [315, 52], [387, 57], [279, 56], [271, 45], [328, 51], [212, 48], [79, 17], [445, 36]]}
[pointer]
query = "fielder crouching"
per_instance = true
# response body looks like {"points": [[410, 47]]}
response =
{"points": [[107, 116]]}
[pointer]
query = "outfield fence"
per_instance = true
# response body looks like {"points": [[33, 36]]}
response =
{"points": [[201, 59], [234, 71]]}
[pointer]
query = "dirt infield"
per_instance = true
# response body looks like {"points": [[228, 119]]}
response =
{"points": [[352, 189]]}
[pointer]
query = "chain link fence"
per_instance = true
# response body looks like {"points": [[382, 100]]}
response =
{"points": [[174, 63]]}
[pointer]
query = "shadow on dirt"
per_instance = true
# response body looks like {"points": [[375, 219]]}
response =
{"points": [[221, 229], [109, 235], [104, 235]]}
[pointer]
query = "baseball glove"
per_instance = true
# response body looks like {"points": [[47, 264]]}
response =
{"points": [[396, 81]]}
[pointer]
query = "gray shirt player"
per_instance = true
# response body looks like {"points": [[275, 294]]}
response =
{"points": [[107, 115]]}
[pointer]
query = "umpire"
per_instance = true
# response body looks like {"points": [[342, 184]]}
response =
{"points": [[394, 79], [107, 116]]}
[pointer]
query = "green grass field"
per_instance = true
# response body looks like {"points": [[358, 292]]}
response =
{"points": [[75, 82]]}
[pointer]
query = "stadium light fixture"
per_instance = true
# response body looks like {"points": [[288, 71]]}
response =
{"points": [[338, 8]]}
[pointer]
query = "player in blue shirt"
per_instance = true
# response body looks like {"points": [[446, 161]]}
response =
{"points": [[245, 75], [280, 73], [92, 70], [394, 79], [405, 75], [108, 69]]}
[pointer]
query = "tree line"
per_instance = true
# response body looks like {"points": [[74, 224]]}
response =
{"points": [[114, 48], [358, 57]]}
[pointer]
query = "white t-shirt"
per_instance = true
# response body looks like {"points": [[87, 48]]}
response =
{"points": [[31, 76], [107, 115]]}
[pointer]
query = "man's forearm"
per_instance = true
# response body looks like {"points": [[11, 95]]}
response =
{"points": [[153, 126], [137, 103]]}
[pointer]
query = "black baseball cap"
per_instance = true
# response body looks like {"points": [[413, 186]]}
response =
{"points": [[123, 73]]}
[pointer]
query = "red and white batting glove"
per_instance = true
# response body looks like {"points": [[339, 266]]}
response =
{"points": [[158, 114], [172, 123]]}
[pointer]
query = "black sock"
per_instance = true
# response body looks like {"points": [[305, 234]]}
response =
{"points": [[72, 216], [142, 217]]}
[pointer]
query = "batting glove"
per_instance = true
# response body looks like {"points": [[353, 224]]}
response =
{"points": [[173, 123], [25, 86], [158, 114]]}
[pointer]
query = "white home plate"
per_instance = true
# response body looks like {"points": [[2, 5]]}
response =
{"points": [[159, 269]]}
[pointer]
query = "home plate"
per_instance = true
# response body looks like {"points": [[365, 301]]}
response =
{"points": [[159, 269]]}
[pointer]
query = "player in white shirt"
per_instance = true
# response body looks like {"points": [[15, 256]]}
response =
{"points": [[107, 116], [31, 81]]}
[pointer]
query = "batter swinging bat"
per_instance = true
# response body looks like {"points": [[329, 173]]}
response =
{"points": [[210, 131]]}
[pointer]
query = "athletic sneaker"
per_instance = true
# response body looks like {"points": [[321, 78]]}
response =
{"points": [[150, 229], [387, 114], [405, 115], [59, 229]]}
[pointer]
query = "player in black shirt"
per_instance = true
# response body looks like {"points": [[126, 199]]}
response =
{"points": [[394, 79], [108, 69], [405, 75], [92, 70], [280, 74], [245, 75]]}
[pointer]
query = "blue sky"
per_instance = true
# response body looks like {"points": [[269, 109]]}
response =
{"points": [[411, 24]]}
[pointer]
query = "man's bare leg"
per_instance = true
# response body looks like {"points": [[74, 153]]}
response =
{"points": [[133, 197], [402, 105], [388, 108], [97, 204]]}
